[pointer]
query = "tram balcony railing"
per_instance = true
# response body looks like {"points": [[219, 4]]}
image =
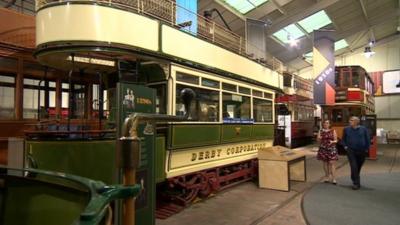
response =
{"points": [[166, 11]]}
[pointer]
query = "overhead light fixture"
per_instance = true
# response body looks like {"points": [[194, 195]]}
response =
{"points": [[368, 52], [371, 43], [292, 41]]}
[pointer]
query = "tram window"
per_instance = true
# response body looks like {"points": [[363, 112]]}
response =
{"points": [[262, 110], [64, 99], [209, 83], [204, 107], [30, 100], [97, 101], [257, 93], [287, 80], [244, 90], [355, 79], [235, 106], [187, 78], [7, 95], [78, 108], [337, 78], [337, 115], [161, 93], [229, 87], [268, 95], [346, 79]]}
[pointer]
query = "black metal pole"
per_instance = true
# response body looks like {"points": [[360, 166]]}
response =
{"points": [[101, 99], [70, 102]]}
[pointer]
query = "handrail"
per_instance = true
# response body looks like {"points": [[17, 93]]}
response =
{"points": [[166, 11], [100, 194]]}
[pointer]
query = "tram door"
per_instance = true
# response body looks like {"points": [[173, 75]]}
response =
{"points": [[285, 130], [369, 121], [138, 98]]}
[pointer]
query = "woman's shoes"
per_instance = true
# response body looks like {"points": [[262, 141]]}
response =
{"points": [[334, 182], [326, 180]]}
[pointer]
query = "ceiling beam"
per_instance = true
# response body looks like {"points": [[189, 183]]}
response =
{"points": [[357, 39], [298, 14], [279, 7]]}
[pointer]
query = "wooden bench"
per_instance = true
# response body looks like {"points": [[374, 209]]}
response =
{"points": [[278, 166]]}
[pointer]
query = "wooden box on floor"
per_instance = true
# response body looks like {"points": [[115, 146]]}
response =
{"points": [[278, 165]]}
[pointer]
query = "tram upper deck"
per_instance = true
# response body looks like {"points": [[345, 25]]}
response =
{"points": [[97, 32]]}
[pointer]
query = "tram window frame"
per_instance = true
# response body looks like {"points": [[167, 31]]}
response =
{"points": [[187, 78], [255, 110], [268, 95], [356, 79], [244, 90], [31, 88], [210, 81], [229, 87], [231, 110], [197, 104], [161, 96], [257, 93], [7, 91]]}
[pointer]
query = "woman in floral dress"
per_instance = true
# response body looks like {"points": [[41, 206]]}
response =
{"points": [[327, 152]]}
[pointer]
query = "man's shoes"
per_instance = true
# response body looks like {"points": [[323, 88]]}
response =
{"points": [[355, 187]]}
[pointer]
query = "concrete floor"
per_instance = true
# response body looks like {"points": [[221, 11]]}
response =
{"points": [[246, 204]]}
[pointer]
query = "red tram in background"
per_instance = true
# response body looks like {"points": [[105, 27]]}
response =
{"points": [[354, 97], [295, 112]]}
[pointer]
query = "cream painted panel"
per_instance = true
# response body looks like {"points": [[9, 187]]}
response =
{"points": [[195, 159], [180, 44], [95, 23]]}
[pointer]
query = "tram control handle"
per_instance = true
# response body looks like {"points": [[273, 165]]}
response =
{"points": [[129, 145]]}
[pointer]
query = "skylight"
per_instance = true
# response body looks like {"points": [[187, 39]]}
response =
{"points": [[315, 21], [244, 6], [290, 31], [340, 44]]}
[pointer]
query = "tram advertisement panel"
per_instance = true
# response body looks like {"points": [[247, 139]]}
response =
{"points": [[324, 67], [136, 98]]}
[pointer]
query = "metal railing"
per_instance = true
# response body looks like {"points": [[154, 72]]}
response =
{"points": [[166, 11]]}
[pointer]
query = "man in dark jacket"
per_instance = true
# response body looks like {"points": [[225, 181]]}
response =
{"points": [[356, 141]]}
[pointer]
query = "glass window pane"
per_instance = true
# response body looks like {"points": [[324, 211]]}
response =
{"points": [[209, 83], [340, 44], [346, 79], [289, 32], [205, 107], [337, 115], [262, 110], [7, 79], [268, 95], [30, 103], [235, 107], [244, 6], [315, 21], [229, 87], [65, 86], [7, 95], [244, 90], [355, 79], [187, 78], [64, 100], [257, 93]]}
